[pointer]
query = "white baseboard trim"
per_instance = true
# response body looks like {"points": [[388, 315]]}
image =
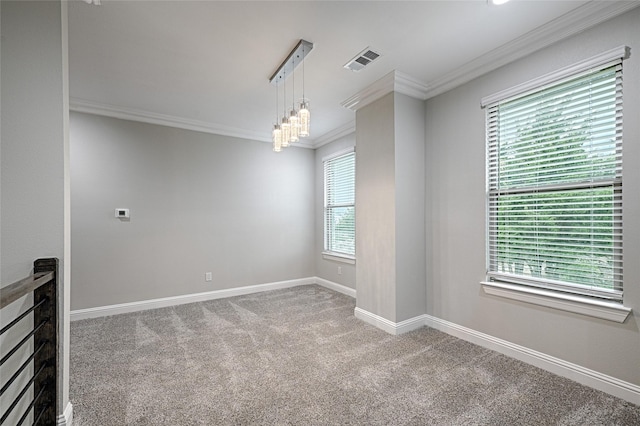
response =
{"points": [[122, 308], [602, 382], [410, 324], [66, 418], [389, 326], [375, 320], [336, 287]]}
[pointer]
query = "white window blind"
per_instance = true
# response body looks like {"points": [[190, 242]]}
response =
{"points": [[339, 204], [555, 185]]}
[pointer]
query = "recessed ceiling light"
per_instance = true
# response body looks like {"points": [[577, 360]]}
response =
{"points": [[499, 2]]}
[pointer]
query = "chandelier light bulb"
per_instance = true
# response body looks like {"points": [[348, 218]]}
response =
{"points": [[286, 132], [304, 119], [277, 138], [295, 126]]}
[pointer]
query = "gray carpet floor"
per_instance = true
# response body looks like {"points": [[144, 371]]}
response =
{"points": [[299, 357]]}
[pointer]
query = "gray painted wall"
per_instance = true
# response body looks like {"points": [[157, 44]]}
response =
{"points": [[34, 162], [455, 136], [410, 206], [375, 209], [390, 213], [328, 269], [198, 203]]}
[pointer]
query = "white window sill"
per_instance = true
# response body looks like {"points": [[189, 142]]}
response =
{"points": [[602, 309], [339, 257]]}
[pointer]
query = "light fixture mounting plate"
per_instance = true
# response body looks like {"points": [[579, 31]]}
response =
{"points": [[294, 59]]}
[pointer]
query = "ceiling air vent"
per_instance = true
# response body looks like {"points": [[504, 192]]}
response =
{"points": [[362, 59]]}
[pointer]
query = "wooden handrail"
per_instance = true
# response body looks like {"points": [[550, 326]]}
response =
{"points": [[15, 291]]}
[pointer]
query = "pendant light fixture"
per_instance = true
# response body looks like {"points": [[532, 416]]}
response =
{"points": [[294, 123], [285, 126], [293, 115], [304, 116], [277, 133]]}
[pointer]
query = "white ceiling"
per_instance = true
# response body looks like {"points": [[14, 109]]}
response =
{"points": [[206, 64]]}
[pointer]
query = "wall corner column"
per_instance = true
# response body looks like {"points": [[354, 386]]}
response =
{"points": [[390, 203]]}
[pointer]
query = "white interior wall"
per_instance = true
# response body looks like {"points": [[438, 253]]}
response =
{"points": [[34, 163], [456, 214], [198, 203]]}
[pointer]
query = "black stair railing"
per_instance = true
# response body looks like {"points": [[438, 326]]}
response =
{"points": [[39, 389]]}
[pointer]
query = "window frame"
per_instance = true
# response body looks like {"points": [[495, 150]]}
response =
{"points": [[328, 253], [522, 289]]}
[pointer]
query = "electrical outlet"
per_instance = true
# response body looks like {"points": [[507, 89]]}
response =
{"points": [[208, 276], [339, 270]]}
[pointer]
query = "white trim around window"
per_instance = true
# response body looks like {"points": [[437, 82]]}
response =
{"points": [[339, 206], [554, 189], [339, 153], [602, 309], [338, 257]]}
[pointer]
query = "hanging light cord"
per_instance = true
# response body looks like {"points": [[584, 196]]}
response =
{"points": [[284, 93]]}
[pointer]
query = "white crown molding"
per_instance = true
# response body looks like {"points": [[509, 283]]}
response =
{"points": [[96, 108], [571, 23], [371, 93], [81, 105], [89, 107], [395, 81], [303, 143], [335, 134], [410, 86]]}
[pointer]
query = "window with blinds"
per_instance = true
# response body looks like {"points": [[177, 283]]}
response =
{"points": [[555, 185], [339, 204]]}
